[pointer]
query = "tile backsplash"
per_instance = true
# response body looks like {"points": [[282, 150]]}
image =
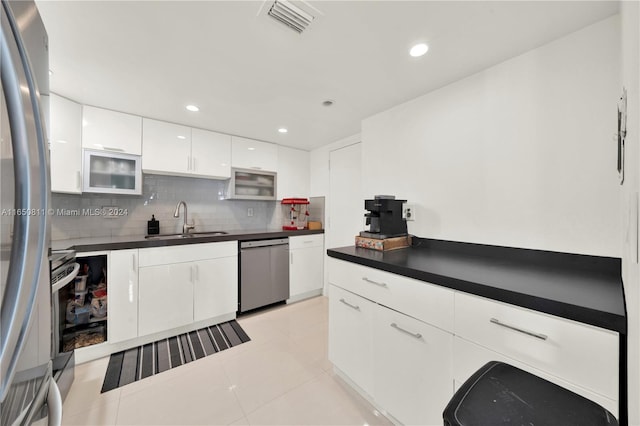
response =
{"points": [[75, 216]]}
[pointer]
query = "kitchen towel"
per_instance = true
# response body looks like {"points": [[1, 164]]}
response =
{"points": [[138, 363]]}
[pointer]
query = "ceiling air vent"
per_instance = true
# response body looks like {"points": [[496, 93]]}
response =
{"points": [[290, 15]]}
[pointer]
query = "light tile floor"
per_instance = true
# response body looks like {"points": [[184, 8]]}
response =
{"points": [[281, 377]]}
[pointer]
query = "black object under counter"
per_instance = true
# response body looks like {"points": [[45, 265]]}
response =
{"points": [[583, 288], [501, 394]]}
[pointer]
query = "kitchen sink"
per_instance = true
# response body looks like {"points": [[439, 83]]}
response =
{"points": [[189, 235]]}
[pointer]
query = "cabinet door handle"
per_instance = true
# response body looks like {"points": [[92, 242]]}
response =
{"points": [[512, 327], [397, 327], [193, 168], [374, 282], [188, 162], [109, 148], [197, 272], [357, 308], [133, 262], [79, 180], [191, 274]]}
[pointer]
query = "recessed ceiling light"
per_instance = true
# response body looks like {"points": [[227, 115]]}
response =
{"points": [[181, 137], [50, 72], [418, 50], [192, 108], [282, 130], [251, 148]]}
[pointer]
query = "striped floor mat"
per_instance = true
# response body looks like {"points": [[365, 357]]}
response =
{"points": [[138, 363]]}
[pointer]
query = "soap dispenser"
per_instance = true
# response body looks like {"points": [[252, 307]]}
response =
{"points": [[153, 226]]}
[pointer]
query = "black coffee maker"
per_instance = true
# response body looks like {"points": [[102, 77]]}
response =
{"points": [[384, 217]]}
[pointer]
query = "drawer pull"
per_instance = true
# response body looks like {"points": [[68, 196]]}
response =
{"points": [[511, 327], [357, 308], [397, 327], [374, 282]]}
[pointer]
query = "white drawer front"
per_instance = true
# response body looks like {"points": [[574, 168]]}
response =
{"points": [[581, 354], [304, 241], [469, 357], [427, 302], [187, 253]]}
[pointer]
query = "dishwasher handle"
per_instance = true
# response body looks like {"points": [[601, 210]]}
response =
{"points": [[264, 243]]}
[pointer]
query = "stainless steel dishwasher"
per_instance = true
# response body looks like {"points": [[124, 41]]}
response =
{"points": [[264, 273]]}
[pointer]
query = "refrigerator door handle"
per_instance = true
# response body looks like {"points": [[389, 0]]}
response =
{"points": [[54, 404], [31, 196]]}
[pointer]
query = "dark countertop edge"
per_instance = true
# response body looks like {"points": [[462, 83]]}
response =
{"points": [[147, 243], [609, 321]]}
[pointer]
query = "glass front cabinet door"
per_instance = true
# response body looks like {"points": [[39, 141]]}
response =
{"points": [[111, 172]]}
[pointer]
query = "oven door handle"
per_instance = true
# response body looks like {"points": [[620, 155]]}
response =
{"points": [[66, 280]]}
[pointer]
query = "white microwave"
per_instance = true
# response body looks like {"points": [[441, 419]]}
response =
{"points": [[111, 172]]}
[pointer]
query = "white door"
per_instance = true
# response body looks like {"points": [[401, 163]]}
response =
{"points": [[351, 336], [293, 173], [166, 147], [123, 295], [165, 297], [305, 270], [210, 154], [215, 288], [108, 130], [346, 201], [413, 371], [66, 145]]}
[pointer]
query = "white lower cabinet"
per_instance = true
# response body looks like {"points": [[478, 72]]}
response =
{"points": [[179, 285], [413, 368], [166, 297], [306, 255], [576, 356], [469, 357], [215, 288], [351, 336], [123, 295], [404, 342], [404, 364]]}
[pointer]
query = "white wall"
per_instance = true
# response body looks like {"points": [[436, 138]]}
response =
{"points": [[521, 154], [630, 41]]}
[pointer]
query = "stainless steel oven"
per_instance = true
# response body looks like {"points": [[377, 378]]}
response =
{"points": [[64, 270]]}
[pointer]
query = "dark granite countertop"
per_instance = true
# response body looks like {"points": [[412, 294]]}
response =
{"points": [[129, 242], [583, 288]]}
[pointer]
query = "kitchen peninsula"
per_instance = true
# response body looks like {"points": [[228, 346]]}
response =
{"points": [[464, 304]]}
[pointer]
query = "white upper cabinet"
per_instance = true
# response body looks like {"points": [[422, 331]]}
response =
{"points": [[293, 173], [166, 147], [253, 154], [211, 154], [108, 130], [66, 145], [172, 149]]}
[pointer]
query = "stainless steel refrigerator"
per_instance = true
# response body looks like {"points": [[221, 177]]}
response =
{"points": [[27, 392]]}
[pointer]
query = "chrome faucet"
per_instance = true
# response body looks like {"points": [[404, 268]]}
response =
{"points": [[186, 226]]}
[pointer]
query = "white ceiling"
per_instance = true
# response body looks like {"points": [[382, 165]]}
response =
{"points": [[250, 74]]}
